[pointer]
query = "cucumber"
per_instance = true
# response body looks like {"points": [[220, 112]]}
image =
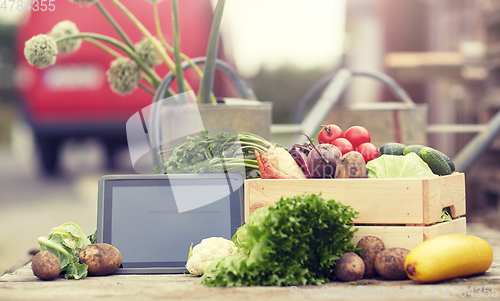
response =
{"points": [[391, 148], [449, 161], [414, 148], [436, 161]]}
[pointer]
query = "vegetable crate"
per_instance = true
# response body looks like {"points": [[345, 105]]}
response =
{"points": [[401, 212]]}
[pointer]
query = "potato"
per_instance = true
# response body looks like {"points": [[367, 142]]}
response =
{"points": [[102, 259], [372, 246], [390, 263], [351, 165], [350, 267], [46, 265]]}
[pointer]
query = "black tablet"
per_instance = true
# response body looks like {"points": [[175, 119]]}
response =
{"points": [[153, 219]]}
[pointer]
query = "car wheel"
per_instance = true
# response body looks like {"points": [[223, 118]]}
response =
{"points": [[48, 150]]}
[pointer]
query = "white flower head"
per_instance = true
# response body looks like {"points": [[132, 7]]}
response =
{"points": [[63, 29], [123, 75], [40, 51], [147, 52]]}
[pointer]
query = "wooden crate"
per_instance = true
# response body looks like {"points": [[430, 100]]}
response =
{"points": [[402, 212]]}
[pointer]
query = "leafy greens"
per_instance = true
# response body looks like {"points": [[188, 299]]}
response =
{"points": [[66, 241], [294, 242], [392, 166], [215, 152]]}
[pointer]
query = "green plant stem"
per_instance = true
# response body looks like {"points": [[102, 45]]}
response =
{"points": [[251, 147], [145, 32], [147, 79], [158, 28], [146, 89], [171, 49], [115, 25], [246, 164], [209, 72], [177, 47], [102, 46], [167, 45], [156, 79], [116, 54]]}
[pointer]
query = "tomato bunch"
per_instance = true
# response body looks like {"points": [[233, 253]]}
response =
{"points": [[356, 138]]}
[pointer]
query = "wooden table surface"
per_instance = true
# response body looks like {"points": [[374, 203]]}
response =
{"points": [[23, 285]]}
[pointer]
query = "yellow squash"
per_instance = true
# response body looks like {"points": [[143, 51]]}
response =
{"points": [[448, 256]]}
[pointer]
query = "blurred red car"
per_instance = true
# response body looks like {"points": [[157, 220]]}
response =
{"points": [[72, 99]]}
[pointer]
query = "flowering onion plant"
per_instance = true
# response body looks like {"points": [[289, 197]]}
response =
{"points": [[135, 67]]}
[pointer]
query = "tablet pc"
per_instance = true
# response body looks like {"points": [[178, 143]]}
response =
{"points": [[153, 219]]}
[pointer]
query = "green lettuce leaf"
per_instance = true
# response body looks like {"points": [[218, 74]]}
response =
{"points": [[391, 166], [295, 242], [76, 270], [240, 238], [227, 271], [445, 216]]}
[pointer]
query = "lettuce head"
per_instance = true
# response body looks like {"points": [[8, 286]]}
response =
{"points": [[392, 166]]}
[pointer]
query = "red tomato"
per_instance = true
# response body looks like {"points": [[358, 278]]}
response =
{"points": [[329, 133], [368, 150], [343, 144], [357, 135]]}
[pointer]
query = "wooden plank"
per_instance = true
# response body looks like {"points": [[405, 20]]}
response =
{"points": [[246, 195], [456, 226], [442, 192], [455, 128], [378, 201], [392, 236], [423, 59], [410, 236], [382, 201]]}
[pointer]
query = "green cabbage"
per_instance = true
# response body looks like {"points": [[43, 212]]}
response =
{"points": [[391, 166], [66, 241]]}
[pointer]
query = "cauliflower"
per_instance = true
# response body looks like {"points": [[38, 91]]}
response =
{"points": [[206, 251]]}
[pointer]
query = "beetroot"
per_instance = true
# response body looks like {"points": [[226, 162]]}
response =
{"points": [[322, 161], [301, 160], [303, 148]]}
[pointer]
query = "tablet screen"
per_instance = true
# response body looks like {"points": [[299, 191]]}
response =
{"points": [[142, 218]]}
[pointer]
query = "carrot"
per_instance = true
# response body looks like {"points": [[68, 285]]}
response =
{"points": [[267, 170]]}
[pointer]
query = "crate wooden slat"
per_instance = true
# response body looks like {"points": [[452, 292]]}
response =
{"points": [[442, 192], [403, 212], [410, 236], [378, 201]]}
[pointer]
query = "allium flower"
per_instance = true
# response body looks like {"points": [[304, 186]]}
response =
{"points": [[123, 75], [63, 29], [147, 52], [40, 51]]}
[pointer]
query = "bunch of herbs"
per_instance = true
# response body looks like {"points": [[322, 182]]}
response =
{"points": [[215, 153]]}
